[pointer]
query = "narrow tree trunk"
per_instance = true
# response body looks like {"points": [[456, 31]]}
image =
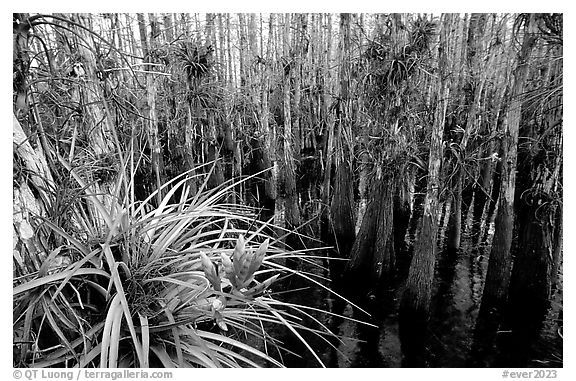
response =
{"points": [[242, 46], [297, 76], [216, 133], [292, 209], [482, 190], [231, 62], [420, 184], [327, 115], [478, 68], [222, 68], [455, 220], [270, 136], [152, 121], [401, 214], [494, 194], [558, 248], [482, 193]]}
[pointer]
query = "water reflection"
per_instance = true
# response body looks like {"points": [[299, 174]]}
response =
{"points": [[450, 339]]}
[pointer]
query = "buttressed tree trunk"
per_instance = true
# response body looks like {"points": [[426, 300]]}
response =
{"points": [[415, 300], [538, 199], [341, 210], [372, 255], [499, 265]]}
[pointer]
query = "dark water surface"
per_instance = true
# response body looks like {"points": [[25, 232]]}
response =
{"points": [[457, 293]]}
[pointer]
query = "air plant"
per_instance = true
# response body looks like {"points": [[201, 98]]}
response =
{"points": [[187, 283]]}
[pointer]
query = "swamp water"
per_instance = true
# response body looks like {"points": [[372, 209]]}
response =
{"points": [[457, 293]]}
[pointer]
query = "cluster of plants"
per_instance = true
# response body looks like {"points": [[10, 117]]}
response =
{"points": [[125, 283], [111, 272]]}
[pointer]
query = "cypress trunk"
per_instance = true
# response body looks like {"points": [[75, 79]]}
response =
{"points": [[420, 184], [373, 249], [341, 211], [499, 265], [292, 209], [455, 220], [538, 201], [531, 280], [481, 193], [152, 120], [342, 205], [401, 215], [415, 301], [557, 254]]}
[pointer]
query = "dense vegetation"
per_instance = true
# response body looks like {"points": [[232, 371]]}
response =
{"points": [[178, 178]]}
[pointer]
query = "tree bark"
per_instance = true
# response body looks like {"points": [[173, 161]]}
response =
{"points": [[499, 265], [152, 121], [292, 209], [21, 63], [416, 297], [401, 214], [33, 194], [478, 71], [341, 208], [372, 255], [538, 197], [558, 249], [328, 133]]}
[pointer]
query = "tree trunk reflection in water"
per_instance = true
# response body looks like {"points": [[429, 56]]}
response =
{"points": [[450, 340]]}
